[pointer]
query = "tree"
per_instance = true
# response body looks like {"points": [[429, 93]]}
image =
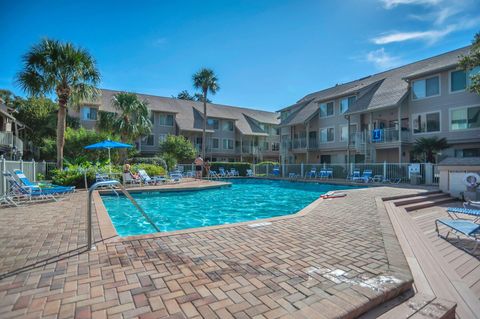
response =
{"points": [[133, 119], [471, 62], [71, 72], [185, 95], [38, 114], [205, 80], [178, 147], [429, 147]]}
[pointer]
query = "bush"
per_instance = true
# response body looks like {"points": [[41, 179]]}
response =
{"points": [[74, 175], [240, 167], [150, 169], [268, 163], [159, 161]]}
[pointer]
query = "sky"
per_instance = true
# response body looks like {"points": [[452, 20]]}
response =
{"points": [[267, 54]]}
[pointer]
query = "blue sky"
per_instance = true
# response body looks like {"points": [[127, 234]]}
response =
{"points": [[267, 54]]}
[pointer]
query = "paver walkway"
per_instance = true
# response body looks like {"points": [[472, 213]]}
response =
{"points": [[342, 258]]}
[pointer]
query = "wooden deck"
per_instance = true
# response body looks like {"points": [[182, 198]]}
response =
{"points": [[443, 273]]}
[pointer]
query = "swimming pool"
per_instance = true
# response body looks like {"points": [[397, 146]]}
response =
{"points": [[244, 200]]}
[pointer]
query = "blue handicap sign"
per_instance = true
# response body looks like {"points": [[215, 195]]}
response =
{"points": [[377, 135]]}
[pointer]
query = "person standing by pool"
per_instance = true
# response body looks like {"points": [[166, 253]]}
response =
{"points": [[198, 167], [207, 168]]}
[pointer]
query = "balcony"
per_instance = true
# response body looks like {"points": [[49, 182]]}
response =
{"points": [[7, 138], [381, 136], [299, 143]]}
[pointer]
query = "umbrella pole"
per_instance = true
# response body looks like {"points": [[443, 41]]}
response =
{"points": [[109, 161]]}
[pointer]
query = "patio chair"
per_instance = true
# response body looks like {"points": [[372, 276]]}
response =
{"points": [[52, 188], [129, 179], [366, 176], [234, 172], [329, 173], [146, 179], [312, 173], [222, 172], [323, 174], [276, 171], [250, 173], [17, 192], [213, 174], [175, 176], [471, 204], [453, 211], [459, 226], [354, 175]]}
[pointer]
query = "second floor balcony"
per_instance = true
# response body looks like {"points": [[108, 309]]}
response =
{"points": [[8, 139], [382, 136]]}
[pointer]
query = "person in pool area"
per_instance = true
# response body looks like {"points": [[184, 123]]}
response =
{"points": [[198, 167], [128, 169], [207, 168]]}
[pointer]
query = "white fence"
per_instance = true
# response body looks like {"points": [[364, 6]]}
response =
{"points": [[30, 168]]}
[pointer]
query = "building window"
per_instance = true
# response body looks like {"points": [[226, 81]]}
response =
{"points": [[345, 103], [326, 109], [344, 131], [162, 138], [460, 80], [227, 126], [213, 123], [215, 143], [148, 140], [227, 144], [275, 146], [426, 122], [465, 118], [89, 113], [327, 135], [152, 118], [467, 152], [165, 119], [284, 115], [327, 159], [426, 88], [265, 146]]}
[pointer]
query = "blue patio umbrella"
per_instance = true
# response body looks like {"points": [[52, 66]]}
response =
{"points": [[107, 144]]}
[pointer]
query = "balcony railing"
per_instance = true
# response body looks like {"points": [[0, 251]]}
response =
{"points": [[389, 135], [299, 143], [7, 138]]}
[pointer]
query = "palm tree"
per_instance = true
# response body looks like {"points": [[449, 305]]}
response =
{"points": [[430, 146], [133, 119], [71, 72], [205, 80]]}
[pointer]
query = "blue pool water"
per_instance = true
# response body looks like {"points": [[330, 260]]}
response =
{"points": [[245, 200]]}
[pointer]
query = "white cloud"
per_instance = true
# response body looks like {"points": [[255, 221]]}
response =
{"points": [[382, 60], [390, 4], [158, 42], [430, 36]]}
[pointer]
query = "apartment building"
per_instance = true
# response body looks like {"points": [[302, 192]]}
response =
{"points": [[233, 133], [378, 118]]}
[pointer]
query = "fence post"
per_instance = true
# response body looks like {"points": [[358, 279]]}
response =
{"points": [[283, 169], [44, 169], [301, 169], [4, 180], [253, 168], [21, 165], [384, 169], [266, 170], [34, 170], [428, 173]]}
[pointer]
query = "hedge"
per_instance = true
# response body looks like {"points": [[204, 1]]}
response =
{"points": [[241, 167]]}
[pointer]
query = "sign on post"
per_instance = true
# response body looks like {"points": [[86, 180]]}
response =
{"points": [[377, 135]]}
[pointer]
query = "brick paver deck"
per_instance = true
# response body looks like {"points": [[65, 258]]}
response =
{"points": [[341, 258]]}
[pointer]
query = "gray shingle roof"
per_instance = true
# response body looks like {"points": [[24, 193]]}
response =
{"points": [[460, 161], [380, 90], [189, 114]]}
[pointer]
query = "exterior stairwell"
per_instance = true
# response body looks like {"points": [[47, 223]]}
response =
{"points": [[364, 147]]}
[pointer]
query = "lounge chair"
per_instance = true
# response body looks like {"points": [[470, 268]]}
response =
{"points": [[250, 173], [329, 172], [129, 179], [366, 176], [323, 174], [213, 174], [459, 226], [175, 176], [312, 173], [18, 192], [222, 172], [234, 172], [146, 179], [276, 171], [453, 211], [471, 204], [354, 175], [51, 188]]}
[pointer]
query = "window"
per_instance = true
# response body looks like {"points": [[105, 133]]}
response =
{"points": [[148, 140], [227, 144], [426, 88], [275, 146], [162, 138], [326, 109], [460, 80], [89, 113], [426, 122], [327, 135], [344, 131], [213, 123], [345, 103], [152, 118], [465, 118], [284, 115], [265, 146], [165, 119], [468, 152], [215, 143], [327, 159], [227, 126]]}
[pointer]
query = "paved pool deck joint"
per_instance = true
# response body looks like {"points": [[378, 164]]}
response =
{"points": [[336, 257]]}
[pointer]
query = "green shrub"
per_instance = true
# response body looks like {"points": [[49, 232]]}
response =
{"points": [[240, 167], [72, 178], [268, 163], [150, 169], [159, 161]]}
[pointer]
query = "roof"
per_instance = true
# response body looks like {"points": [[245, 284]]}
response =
{"points": [[189, 114], [460, 161], [381, 90]]}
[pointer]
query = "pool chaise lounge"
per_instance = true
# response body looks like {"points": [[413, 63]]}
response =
{"points": [[18, 193], [460, 226], [48, 188], [453, 211]]}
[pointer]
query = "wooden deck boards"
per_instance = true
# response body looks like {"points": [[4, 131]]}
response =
{"points": [[438, 266]]}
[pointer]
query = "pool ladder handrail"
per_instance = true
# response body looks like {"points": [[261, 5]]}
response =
{"points": [[110, 184]]}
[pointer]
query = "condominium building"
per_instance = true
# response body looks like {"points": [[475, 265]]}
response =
{"points": [[233, 133], [379, 117]]}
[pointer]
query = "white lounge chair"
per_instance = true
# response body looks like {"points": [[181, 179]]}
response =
{"points": [[146, 179], [129, 179]]}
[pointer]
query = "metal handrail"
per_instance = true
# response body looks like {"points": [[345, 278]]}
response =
{"points": [[125, 192]]}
